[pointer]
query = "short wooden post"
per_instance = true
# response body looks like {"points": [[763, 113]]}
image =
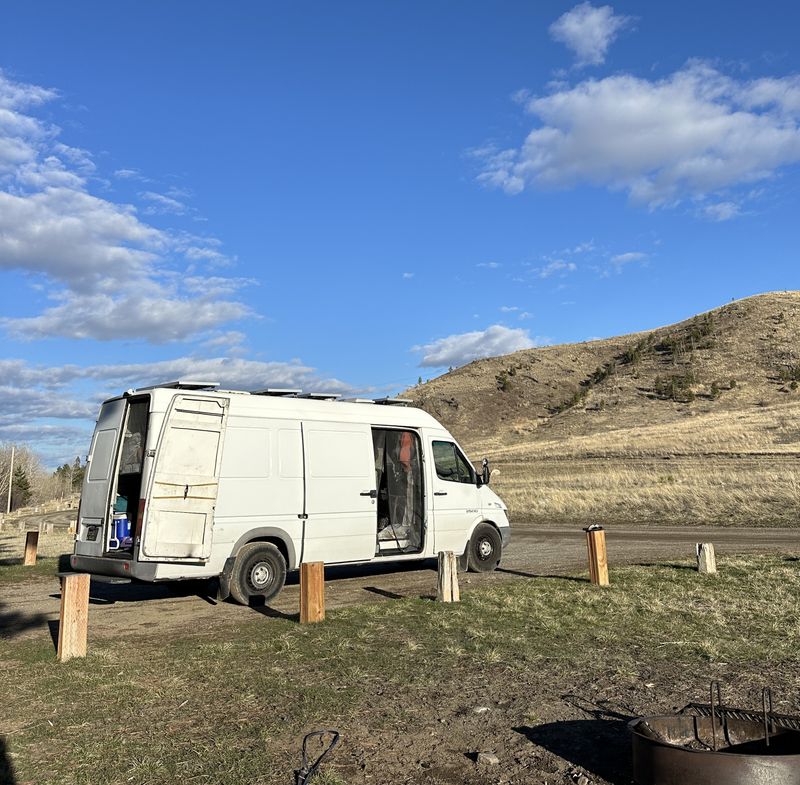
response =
{"points": [[598, 559], [74, 619], [31, 545], [48, 529], [312, 592], [447, 584], [706, 560]]}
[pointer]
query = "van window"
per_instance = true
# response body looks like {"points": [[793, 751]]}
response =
{"points": [[451, 465], [102, 453]]}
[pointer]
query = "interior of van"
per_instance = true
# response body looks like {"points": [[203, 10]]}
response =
{"points": [[127, 488], [398, 479]]}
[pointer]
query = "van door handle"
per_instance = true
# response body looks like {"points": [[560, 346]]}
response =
{"points": [[372, 494], [440, 493]]}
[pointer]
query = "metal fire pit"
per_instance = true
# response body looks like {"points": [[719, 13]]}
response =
{"points": [[706, 744]]}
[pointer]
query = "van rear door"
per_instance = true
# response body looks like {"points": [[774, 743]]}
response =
{"points": [[95, 508], [182, 491]]}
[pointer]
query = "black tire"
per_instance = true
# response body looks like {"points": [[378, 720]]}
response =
{"points": [[258, 574], [484, 549]]}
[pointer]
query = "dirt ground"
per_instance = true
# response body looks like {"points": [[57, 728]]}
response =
{"points": [[30, 608]]}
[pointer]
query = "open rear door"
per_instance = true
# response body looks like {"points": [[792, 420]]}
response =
{"points": [[183, 487]]}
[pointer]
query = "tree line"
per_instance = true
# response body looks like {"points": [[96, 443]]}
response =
{"points": [[31, 482]]}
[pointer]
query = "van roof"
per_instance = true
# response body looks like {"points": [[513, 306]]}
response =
{"points": [[293, 404]]}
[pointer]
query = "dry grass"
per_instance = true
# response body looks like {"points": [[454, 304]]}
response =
{"points": [[675, 492], [712, 468]]}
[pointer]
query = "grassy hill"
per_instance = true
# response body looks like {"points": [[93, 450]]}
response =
{"points": [[695, 422]]}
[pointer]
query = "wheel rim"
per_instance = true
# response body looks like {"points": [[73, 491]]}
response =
{"points": [[485, 548], [260, 575]]}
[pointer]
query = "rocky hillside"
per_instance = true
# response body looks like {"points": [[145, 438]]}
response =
{"points": [[744, 354]]}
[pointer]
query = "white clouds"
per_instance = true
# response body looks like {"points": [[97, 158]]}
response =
{"points": [[694, 133], [489, 265], [628, 257], [721, 211], [588, 31], [103, 317], [556, 267], [460, 349], [509, 308], [75, 238], [408, 276], [108, 273], [160, 204], [130, 174]]}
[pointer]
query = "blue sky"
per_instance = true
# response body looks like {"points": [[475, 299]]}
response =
{"points": [[350, 195]]}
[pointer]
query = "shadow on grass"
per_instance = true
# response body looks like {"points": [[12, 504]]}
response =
{"points": [[6, 768], [384, 593], [13, 623], [522, 574], [274, 613], [669, 566]]}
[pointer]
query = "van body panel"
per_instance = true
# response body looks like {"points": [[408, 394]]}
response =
{"points": [[340, 492]]}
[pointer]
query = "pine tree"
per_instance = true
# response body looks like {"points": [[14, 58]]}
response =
{"points": [[20, 488]]}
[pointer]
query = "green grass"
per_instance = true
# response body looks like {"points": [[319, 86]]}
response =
{"points": [[12, 571], [230, 706]]}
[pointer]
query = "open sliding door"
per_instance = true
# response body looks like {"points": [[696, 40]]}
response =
{"points": [[183, 488]]}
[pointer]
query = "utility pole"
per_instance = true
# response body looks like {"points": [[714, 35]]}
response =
{"points": [[10, 479]]}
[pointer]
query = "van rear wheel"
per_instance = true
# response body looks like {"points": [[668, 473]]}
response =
{"points": [[484, 549], [258, 573]]}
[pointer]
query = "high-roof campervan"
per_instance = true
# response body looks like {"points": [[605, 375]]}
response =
{"points": [[187, 481]]}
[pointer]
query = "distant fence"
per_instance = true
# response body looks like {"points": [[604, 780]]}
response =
{"points": [[54, 505]]}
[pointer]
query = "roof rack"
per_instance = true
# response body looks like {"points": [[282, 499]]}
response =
{"points": [[278, 392], [358, 400], [394, 401], [183, 385], [320, 396]]}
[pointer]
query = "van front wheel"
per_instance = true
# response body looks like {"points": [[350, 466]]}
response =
{"points": [[484, 549], [258, 573]]}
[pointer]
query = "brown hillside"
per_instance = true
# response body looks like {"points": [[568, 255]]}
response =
{"points": [[709, 393]]}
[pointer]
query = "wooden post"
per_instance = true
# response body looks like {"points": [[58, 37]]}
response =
{"points": [[31, 545], [74, 619], [48, 529], [598, 560], [706, 560], [447, 584], [312, 592]]}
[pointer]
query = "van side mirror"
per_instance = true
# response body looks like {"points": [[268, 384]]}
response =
{"points": [[486, 474]]}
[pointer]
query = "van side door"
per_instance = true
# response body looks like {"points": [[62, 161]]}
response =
{"points": [[455, 495], [340, 492], [183, 487]]}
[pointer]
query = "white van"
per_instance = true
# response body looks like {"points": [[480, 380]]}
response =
{"points": [[185, 481]]}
